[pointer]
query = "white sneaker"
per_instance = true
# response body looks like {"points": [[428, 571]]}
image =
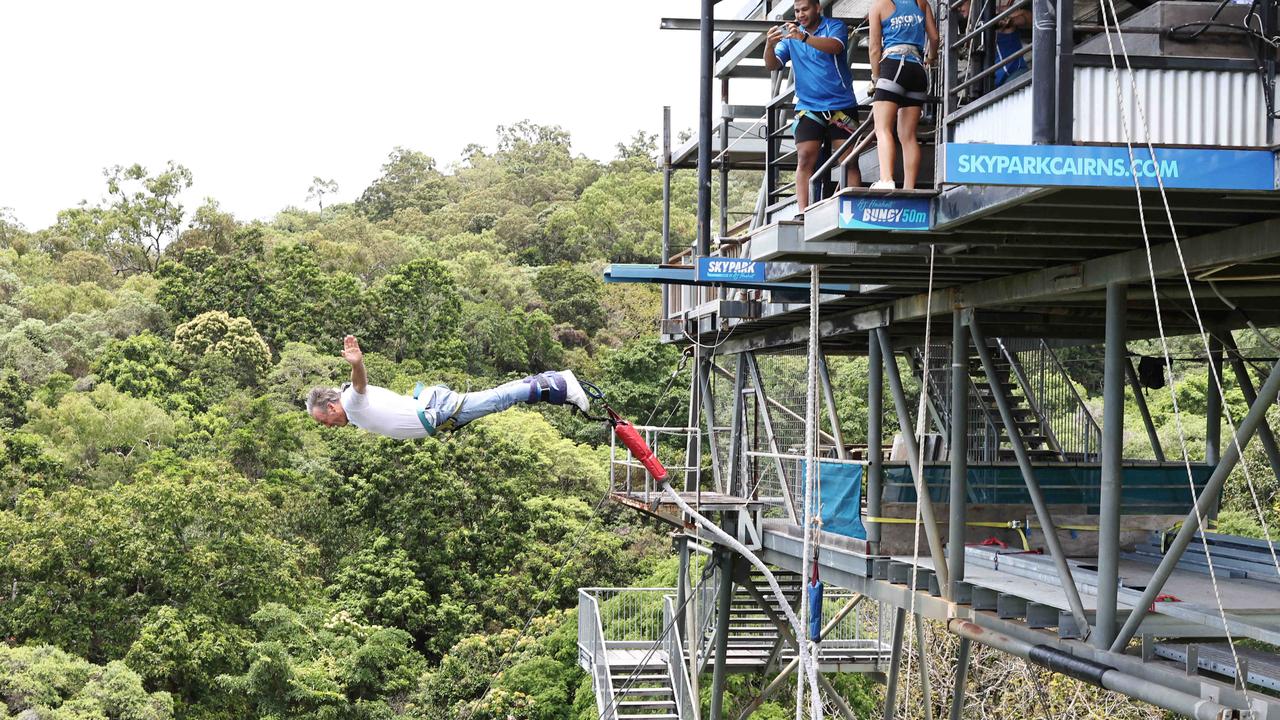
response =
{"points": [[883, 185], [574, 394]]}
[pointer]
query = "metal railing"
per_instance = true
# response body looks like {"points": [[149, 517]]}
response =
{"points": [[780, 478], [629, 615], [593, 656], [628, 475], [1064, 417], [673, 644]]}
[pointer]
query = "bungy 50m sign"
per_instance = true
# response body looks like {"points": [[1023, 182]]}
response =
{"points": [[884, 213], [1098, 166], [713, 269]]}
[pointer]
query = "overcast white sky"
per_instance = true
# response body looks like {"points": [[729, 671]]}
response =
{"points": [[256, 98]]}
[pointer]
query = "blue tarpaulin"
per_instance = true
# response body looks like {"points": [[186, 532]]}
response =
{"points": [[841, 497]]}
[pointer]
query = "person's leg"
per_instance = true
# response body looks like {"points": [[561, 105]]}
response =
{"points": [[806, 161], [908, 119], [852, 173], [477, 404], [885, 113]]}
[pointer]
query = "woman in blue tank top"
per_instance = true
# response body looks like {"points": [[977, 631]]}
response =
{"points": [[903, 41]]}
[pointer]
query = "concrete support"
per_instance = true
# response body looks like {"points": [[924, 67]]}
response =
{"points": [[895, 664], [927, 516], [875, 435], [1141, 400], [1265, 435], [723, 609], [962, 675], [958, 447], [1029, 477], [1208, 497], [1112, 465]]}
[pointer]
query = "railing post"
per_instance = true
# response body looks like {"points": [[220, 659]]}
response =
{"points": [[1044, 92]]}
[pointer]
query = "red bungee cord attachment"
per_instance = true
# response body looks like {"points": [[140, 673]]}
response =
{"points": [[627, 433], [640, 450]]}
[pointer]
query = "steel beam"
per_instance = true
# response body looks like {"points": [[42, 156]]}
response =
{"points": [[875, 438], [926, 687], [829, 397], [962, 674], [722, 634], [736, 482], [928, 518], [1245, 382], [1029, 477], [1213, 404], [762, 406], [709, 414], [959, 452], [1141, 401], [1208, 497], [895, 663], [666, 204], [1112, 466]]}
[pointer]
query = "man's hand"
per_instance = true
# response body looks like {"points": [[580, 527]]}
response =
{"points": [[793, 32], [774, 35], [351, 351]]}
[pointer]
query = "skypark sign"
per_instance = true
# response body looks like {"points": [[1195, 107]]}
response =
{"points": [[713, 269], [1097, 166]]}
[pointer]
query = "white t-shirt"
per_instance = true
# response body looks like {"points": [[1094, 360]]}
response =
{"points": [[383, 412]]}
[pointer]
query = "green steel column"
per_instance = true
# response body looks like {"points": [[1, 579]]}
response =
{"points": [[723, 610], [1113, 381]]}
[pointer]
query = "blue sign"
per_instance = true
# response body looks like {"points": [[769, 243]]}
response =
{"points": [[714, 269], [1098, 166], [884, 213]]}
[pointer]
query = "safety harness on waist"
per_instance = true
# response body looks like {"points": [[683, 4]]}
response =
{"points": [[839, 118], [450, 423], [903, 54]]}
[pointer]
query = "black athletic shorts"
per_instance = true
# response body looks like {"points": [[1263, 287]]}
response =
{"points": [[904, 82], [815, 125]]}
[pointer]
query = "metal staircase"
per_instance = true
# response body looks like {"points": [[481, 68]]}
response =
{"points": [[1039, 441], [627, 642]]}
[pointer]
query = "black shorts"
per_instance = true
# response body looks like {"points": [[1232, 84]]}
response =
{"points": [[815, 125], [903, 82]]}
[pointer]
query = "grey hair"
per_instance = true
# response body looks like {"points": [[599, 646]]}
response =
{"points": [[322, 396]]}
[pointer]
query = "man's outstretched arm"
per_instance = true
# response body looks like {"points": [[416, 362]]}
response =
{"points": [[352, 353]]}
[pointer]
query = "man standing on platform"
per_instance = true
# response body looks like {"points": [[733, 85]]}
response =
{"points": [[825, 106]]}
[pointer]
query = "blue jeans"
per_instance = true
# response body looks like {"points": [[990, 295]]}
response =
{"points": [[439, 402]]}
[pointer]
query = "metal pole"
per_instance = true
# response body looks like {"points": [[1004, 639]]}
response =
{"points": [[895, 662], [1245, 382], [706, 57], [1029, 477], [1044, 90], [682, 577], [1208, 496], [1094, 673], [962, 674], [722, 633], [1112, 465], [693, 445], [1064, 79], [875, 435], [928, 519], [829, 397], [1213, 405], [926, 687], [1141, 400], [709, 414], [736, 479], [959, 451], [666, 204], [1213, 415], [724, 167]]}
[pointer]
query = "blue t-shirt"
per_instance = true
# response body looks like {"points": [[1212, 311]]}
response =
{"points": [[1008, 43], [823, 81], [904, 27]]}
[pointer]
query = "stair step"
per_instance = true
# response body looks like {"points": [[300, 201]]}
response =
{"points": [[652, 691], [646, 705]]}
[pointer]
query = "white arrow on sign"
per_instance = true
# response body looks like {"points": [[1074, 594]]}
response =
{"points": [[846, 211]]}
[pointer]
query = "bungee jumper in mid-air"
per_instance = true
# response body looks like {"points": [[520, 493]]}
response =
{"points": [[430, 409]]}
